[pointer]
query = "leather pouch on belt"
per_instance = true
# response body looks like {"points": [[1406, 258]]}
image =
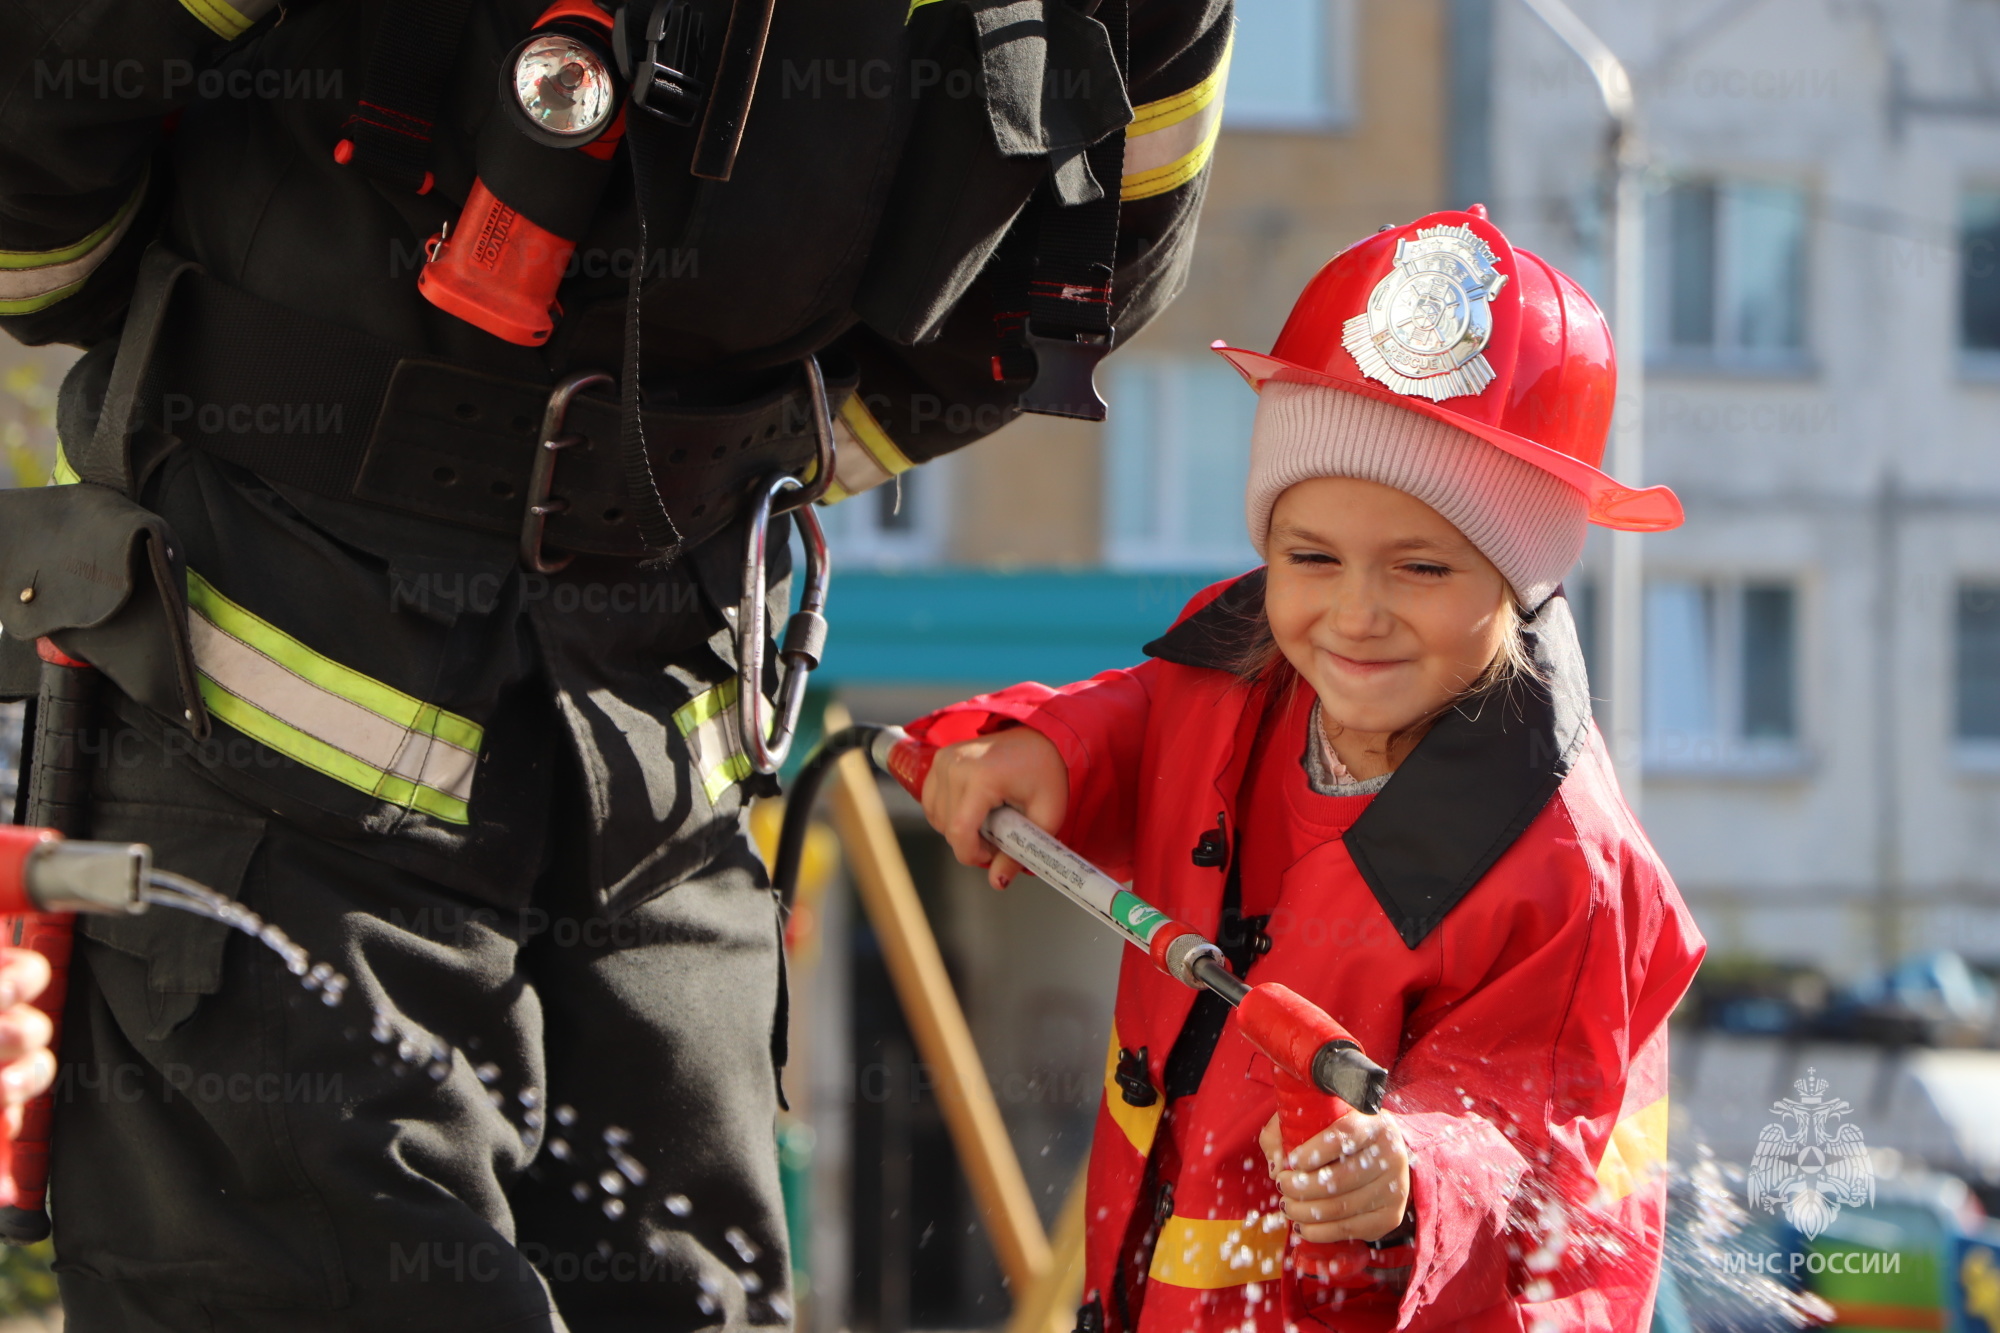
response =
{"points": [[104, 579], [182, 952]]}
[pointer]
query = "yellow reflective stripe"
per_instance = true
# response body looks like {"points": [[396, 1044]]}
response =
{"points": [[1635, 1152], [221, 19], [331, 718], [32, 280], [915, 5], [1150, 116], [1208, 1254], [405, 711], [330, 760], [1169, 141], [868, 431], [1139, 1123], [864, 456], [64, 474], [708, 723]]}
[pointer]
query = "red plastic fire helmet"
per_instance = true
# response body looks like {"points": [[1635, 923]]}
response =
{"points": [[1443, 317]]}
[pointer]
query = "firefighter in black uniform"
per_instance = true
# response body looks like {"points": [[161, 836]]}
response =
{"points": [[419, 628]]}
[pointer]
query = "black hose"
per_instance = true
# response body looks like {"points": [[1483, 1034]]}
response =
{"points": [[799, 802]]}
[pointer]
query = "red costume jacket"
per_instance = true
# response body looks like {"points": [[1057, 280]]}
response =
{"points": [[1493, 926]]}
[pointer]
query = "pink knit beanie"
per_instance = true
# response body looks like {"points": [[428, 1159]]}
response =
{"points": [[1528, 523]]}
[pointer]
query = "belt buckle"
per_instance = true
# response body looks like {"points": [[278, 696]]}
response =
{"points": [[805, 632], [541, 500]]}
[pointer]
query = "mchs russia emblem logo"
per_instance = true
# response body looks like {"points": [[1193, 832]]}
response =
{"points": [[1806, 1164], [1429, 319]]}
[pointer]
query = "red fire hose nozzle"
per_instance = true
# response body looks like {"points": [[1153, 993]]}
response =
{"points": [[41, 871], [43, 879]]}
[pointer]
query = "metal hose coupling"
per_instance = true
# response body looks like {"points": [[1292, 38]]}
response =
{"points": [[40, 871]]}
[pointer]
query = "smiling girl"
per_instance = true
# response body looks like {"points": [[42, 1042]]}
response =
{"points": [[1369, 771]]}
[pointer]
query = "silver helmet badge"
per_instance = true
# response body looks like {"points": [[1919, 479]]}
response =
{"points": [[1429, 319]]}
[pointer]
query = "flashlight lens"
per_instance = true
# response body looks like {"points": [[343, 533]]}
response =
{"points": [[563, 86]]}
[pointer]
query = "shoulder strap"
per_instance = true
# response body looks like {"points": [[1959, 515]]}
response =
{"points": [[409, 71], [1054, 271], [107, 457]]}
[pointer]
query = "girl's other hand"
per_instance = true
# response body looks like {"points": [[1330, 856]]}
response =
{"points": [[1350, 1181], [1018, 767], [27, 1067]]}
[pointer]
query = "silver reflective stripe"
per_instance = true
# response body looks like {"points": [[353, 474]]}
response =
{"points": [[32, 280], [326, 716]]}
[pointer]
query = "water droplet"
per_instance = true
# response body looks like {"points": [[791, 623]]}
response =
{"points": [[746, 1249], [617, 1137], [496, 1098], [633, 1170], [408, 1051], [530, 1098], [706, 1304], [565, 1116], [679, 1205], [382, 1031], [559, 1149], [751, 1282], [604, 1249], [332, 995], [657, 1244], [580, 1191], [614, 1208], [487, 1073], [532, 1119], [528, 1137], [612, 1182], [317, 977], [709, 1285], [440, 1072]]}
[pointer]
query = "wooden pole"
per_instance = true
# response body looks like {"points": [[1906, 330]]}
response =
{"points": [[944, 1041], [1050, 1305]]}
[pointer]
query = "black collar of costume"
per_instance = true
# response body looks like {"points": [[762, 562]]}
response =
{"points": [[1473, 784]]}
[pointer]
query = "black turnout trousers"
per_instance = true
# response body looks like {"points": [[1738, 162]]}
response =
{"points": [[273, 1163], [547, 1099]]}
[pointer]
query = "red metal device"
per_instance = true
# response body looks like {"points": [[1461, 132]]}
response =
{"points": [[45, 880], [1321, 1071]]}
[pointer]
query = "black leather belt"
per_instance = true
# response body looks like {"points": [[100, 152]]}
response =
{"points": [[341, 414]]}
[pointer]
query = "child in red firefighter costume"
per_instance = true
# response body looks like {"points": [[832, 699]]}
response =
{"points": [[1369, 771]]}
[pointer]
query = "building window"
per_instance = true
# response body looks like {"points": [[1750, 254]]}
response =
{"points": [[1978, 653], [902, 522], [1177, 459], [1292, 66], [1979, 278], [1729, 265], [1721, 675]]}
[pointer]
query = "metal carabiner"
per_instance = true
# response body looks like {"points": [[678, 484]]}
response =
{"points": [[805, 632]]}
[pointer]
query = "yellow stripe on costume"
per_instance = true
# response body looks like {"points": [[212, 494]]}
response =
{"points": [[1636, 1151], [1208, 1254], [1169, 141], [1140, 1123]]}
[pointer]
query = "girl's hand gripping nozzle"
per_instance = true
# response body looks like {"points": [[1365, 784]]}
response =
{"points": [[1320, 1069]]}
